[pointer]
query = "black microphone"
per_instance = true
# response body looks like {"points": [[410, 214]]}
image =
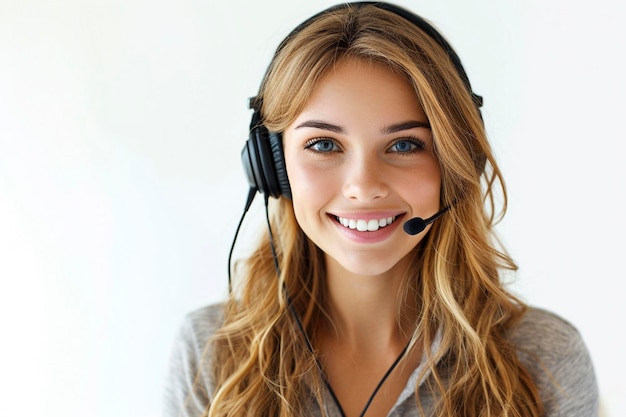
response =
{"points": [[417, 224]]}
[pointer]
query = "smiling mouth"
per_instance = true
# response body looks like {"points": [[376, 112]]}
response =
{"points": [[362, 225]]}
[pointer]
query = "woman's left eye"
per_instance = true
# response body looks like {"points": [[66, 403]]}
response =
{"points": [[407, 145], [322, 145]]}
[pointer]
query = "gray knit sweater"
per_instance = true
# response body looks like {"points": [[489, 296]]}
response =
{"points": [[543, 340]]}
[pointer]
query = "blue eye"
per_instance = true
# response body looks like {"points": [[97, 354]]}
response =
{"points": [[407, 145], [322, 145]]}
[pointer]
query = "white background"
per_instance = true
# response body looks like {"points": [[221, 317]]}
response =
{"points": [[121, 124]]}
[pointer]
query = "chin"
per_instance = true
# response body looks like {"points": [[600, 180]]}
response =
{"points": [[368, 266]]}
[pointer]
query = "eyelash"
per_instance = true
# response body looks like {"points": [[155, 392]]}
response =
{"points": [[417, 145], [311, 143]]}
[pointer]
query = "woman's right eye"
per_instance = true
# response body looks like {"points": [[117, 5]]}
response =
{"points": [[322, 145]]}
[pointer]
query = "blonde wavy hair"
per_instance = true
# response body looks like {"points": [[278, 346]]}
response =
{"points": [[258, 359]]}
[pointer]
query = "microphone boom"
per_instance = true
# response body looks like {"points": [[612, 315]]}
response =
{"points": [[417, 224]]}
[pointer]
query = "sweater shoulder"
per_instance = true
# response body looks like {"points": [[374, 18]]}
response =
{"points": [[189, 386], [554, 352], [202, 323]]}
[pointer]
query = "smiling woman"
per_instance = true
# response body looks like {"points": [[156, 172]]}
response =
{"points": [[361, 151], [366, 121]]}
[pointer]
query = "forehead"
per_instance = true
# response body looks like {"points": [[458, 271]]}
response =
{"points": [[363, 91]]}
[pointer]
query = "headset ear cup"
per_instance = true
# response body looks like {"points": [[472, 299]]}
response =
{"points": [[256, 156], [263, 160], [278, 154], [264, 163], [251, 166]]}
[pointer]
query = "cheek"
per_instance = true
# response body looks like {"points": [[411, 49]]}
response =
{"points": [[431, 182], [422, 189], [424, 172], [308, 178], [312, 189], [430, 174], [308, 188]]}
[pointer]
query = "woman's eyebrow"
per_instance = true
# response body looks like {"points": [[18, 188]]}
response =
{"points": [[399, 127], [394, 128], [319, 124]]}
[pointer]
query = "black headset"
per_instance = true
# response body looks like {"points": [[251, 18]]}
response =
{"points": [[263, 157]]}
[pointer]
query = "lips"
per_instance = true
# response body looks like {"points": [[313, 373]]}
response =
{"points": [[365, 225]]}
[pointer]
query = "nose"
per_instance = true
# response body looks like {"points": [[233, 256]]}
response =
{"points": [[365, 178]]}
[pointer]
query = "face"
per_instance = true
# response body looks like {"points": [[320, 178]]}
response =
{"points": [[360, 162]]}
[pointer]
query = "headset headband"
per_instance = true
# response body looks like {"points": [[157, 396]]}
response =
{"points": [[415, 19]]}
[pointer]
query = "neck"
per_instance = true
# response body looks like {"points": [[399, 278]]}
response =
{"points": [[363, 310], [362, 342]]}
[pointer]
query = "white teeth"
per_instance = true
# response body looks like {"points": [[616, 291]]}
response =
{"points": [[365, 225]]}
